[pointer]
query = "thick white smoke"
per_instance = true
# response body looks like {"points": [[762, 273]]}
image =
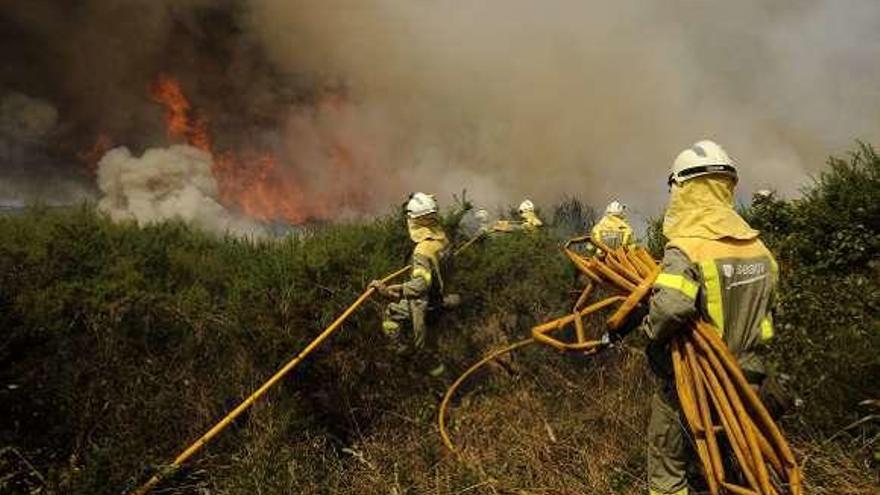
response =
{"points": [[165, 183]]}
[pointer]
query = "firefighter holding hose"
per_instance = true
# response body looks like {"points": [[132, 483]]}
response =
{"points": [[528, 220], [714, 268], [423, 291]]}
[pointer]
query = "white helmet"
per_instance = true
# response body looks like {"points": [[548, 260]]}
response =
{"points": [[482, 215], [615, 208], [526, 205], [703, 158], [420, 204]]}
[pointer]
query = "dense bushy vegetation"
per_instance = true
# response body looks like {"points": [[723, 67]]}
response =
{"points": [[828, 246], [121, 343]]}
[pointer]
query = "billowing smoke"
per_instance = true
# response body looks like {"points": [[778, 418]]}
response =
{"points": [[25, 120], [165, 183], [26, 125], [362, 101], [518, 98]]}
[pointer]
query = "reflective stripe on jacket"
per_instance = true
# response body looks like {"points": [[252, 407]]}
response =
{"points": [[727, 282]]}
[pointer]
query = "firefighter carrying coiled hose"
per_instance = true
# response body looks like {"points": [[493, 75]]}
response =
{"points": [[707, 318]]}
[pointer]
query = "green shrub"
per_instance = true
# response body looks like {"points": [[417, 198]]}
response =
{"points": [[828, 247]]}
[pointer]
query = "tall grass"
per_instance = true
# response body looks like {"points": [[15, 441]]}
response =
{"points": [[121, 343]]}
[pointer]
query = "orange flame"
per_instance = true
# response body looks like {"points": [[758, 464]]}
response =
{"points": [[340, 150], [178, 114], [258, 188], [253, 183]]}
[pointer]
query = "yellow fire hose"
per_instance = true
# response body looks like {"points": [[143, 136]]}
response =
{"points": [[247, 403], [709, 382], [542, 333], [244, 405], [441, 417]]}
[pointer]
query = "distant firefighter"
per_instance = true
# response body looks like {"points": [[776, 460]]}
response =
{"points": [[423, 292], [528, 220], [476, 223], [482, 217], [762, 197], [613, 230]]}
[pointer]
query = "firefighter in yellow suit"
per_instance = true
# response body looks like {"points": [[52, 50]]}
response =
{"points": [[613, 230], [423, 291], [714, 268], [529, 221]]}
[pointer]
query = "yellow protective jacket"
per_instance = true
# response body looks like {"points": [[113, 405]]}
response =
{"points": [[612, 231], [530, 221], [428, 258], [715, 268]]}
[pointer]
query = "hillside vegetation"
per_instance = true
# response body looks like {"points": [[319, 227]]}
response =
{"points": [[121, 344]]}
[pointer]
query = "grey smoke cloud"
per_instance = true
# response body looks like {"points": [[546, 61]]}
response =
{"points": [[518, 98], [24, 119], [507, 98], [26, 124]]}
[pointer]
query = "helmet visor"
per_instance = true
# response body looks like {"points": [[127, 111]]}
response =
{"points": [[702, 170]]}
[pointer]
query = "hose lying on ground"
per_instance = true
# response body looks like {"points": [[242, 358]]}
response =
{"points": [[543, 333], [452, 388], [731, 427]]}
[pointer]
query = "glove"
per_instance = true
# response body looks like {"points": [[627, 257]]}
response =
{"points": [[379, 286], [389, 291]]}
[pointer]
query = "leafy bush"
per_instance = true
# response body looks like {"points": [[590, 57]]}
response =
{"points": [[571, 218], [828, 247], [836, 225], [120, 342]]}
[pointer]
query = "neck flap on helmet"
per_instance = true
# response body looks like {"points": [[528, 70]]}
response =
{"points": [[703, 208], [424, 228]]}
